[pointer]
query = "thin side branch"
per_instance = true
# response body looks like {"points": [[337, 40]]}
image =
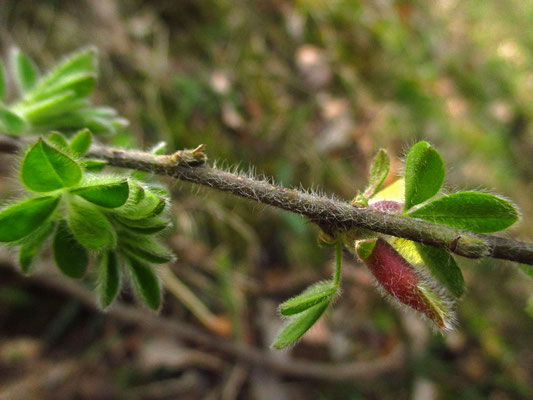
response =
{"points": [[369, 369], [329, 214]]}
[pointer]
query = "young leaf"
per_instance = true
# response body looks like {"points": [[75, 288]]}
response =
{"points": [[83, 61], [443, 267], [424, 174], [45, 169], [145, 282], [81, 142], [151, 205], [71, 257], [21, 219], [93, 165], [49, 109], [58, 140], [90, 227], [146, 226], [310, 297], [31, 246], [149, 251], [3, 90], [108, 278], [473, 211], [295, 329], [109, 195], [24, 70], [378, 173], [10, 121], [80, 84]]}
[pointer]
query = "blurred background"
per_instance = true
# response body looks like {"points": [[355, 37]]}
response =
{"points": [[304, 91]]}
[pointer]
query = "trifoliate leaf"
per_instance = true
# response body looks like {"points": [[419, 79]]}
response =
{"points": [[108, 278], [71, 257], [296, 327], [424, 174], [81, 142], [10, 121], [45, 169], [473, 211], [109, 195], [90, 226], [21, 219], [378, 172], [24, 71], [145, 282], [308, 298], [58, 140], [32, 245]]}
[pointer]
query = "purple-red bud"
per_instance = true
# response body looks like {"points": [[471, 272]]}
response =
{"points": [[405, 284]]}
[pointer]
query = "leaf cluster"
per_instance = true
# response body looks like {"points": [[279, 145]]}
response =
{"points": [[114, 220], [58, 99]]}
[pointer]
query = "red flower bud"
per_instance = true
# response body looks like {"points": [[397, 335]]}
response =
{"points": [[405, 283]]}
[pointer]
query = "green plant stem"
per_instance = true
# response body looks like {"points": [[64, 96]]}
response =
{"points": [[331, 215], [338, 262]]}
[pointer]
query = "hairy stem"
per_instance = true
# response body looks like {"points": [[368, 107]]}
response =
{"points": [[331, 215]]}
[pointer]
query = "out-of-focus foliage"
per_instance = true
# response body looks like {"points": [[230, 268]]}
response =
{"points": [[304, 91]]}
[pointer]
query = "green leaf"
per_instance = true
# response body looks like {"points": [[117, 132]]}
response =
{"points": [[295, 329], [51, 108], [83, 61], [24, 70], [108, 278], [93, 165], [473, 211], [90, 227], [45, 169], [21, 219], [146, 226], [81, 84], [149, 251], [424, 174], [71, 257], [378, 173], [149, 206], [10, 121], [145, 282], [310, 297], [109, 195], [58, 140], [443, 267], [32, 245], [81, 143], [3, 91]]}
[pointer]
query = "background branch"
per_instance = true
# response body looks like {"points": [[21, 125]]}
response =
{"points": [[329, 214]]}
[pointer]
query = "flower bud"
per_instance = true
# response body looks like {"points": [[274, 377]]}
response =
{"points": [[404, 283]]}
